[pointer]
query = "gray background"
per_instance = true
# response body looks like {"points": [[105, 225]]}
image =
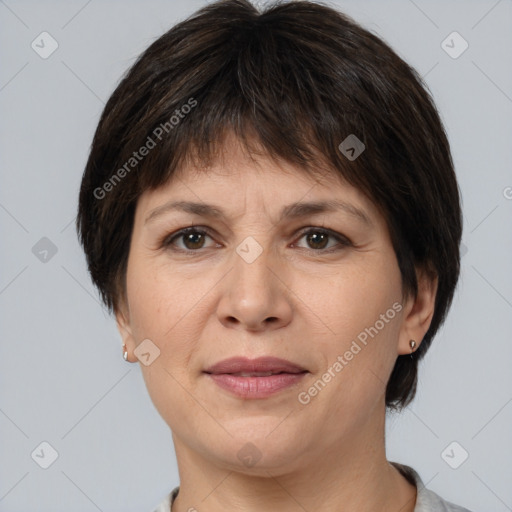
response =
{"points": [[62, 377]]}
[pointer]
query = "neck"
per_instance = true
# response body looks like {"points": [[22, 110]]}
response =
{"points": [[355, 475]]}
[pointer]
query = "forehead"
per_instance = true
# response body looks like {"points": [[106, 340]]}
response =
{"points": [[235, 175]]}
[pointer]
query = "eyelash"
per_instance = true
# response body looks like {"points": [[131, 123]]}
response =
{"points": [[343, 241]]}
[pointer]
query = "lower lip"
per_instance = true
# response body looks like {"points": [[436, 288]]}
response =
{"points": [[256, 387]]}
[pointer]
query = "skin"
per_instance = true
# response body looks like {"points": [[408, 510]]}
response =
{"points": [[296, 301]]}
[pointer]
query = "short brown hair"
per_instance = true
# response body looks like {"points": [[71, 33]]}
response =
{"points": [[298, 77]]}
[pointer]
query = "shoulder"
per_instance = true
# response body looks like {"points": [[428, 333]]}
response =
{"points": [[427, 500], [165, 505]]}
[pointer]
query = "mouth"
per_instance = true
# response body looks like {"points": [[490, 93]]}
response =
{"points": [[256, 378]]}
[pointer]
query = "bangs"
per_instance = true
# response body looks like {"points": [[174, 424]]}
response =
{"points": [[264, 86]]}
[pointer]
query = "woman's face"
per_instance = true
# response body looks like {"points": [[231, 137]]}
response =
{"points": [[262, 284]]}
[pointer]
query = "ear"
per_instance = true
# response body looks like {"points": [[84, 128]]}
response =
{"points": [[123, 325], [418, 312]]}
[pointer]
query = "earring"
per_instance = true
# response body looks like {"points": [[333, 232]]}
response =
{"points": [[125, 353], [412, 344]]}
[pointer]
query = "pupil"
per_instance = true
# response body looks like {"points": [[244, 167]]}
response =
{"points": [[190, 239], [314, 238]]}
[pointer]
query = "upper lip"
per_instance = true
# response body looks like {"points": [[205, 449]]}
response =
{"points": [[260, 364]]}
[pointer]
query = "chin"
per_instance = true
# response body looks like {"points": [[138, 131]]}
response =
{"points": [[258, 453]]}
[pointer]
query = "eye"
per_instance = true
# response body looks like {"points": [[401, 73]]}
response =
{"points": [[318, 239], [193, 239]]}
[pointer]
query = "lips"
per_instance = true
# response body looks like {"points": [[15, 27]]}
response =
{"points": [[259, 367], [255, 378]]}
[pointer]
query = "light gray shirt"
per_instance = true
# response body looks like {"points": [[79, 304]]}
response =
{"points": [[426, 501]]}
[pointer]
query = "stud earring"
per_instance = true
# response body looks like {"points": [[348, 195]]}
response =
{"points": [[125, 353], [412, 344]]}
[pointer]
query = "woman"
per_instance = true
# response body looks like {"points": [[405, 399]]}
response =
{"points": [[270, 210]]}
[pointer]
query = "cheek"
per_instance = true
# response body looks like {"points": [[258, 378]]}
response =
{"points": [[166, 308], [352, 299], [157, 297], [159, 303], [362, 325]]}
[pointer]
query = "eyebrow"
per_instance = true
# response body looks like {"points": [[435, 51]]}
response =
{"points": [[291, 211]]}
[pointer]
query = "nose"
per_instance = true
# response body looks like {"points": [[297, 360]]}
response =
{"points": [[255, 296]]}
